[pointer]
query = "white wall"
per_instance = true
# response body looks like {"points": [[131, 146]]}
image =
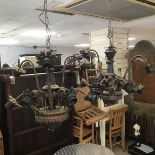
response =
{"points": [[10, 54]]}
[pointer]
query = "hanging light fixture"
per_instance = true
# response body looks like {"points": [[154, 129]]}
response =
{"points": [[50, 113], [51, 103], [109, 86], [110, 81]]}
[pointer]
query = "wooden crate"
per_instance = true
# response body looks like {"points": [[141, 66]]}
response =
{"points": [[1, 144]]}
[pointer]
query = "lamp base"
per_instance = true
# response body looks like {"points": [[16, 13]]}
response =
{"points": [[141, 150]]}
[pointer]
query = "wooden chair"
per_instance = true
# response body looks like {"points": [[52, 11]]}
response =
{"points": [[91, 73], [84, 133], [86, 116], [116, 126]]}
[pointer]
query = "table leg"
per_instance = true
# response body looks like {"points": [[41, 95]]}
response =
{"points": [[123, 132], [102, 132]]}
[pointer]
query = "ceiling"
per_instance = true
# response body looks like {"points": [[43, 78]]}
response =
{"points": [[19, 16], [124, 10]]}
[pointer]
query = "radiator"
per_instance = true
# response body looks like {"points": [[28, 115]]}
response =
{"points": [[151, 129]]}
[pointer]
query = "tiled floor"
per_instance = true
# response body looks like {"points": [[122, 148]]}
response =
{"points": [[118, 150]]}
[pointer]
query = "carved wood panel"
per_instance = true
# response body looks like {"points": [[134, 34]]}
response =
{"points": [[148, 80]]}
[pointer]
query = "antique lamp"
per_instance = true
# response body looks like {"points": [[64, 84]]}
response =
{"points": [[51, 103], [48, 113], [109, 86]]}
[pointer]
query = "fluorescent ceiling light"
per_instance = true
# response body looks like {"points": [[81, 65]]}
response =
{"points": [[131, 46], [39, 34], [131, 39], [82, 45], [64, 1], [8, 41], [59, 35], [34, 33]]}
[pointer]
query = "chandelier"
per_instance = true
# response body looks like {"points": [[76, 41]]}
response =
{"points": [[108, 86], [50, 103]]}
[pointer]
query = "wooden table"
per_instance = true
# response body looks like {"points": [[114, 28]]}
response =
{"points": [[84, 149]]}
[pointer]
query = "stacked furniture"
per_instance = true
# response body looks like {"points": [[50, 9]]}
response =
{"points": [[86, 116], [21, 134]]}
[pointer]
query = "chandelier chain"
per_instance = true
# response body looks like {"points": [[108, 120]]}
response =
{"points": [[45, 21], [110, 34]]}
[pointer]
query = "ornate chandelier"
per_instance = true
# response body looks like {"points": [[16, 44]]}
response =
{"points": [[50, 103], [109, 86]]}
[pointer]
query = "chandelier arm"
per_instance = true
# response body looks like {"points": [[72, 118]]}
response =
{"points": [[35, 73], [135, 83], [141, 57], [91, 50], [19, 96], [63, 73], [135, 58], [101, 81]]}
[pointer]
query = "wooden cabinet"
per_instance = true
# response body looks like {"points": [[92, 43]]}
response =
{"points": [[1, 144], [22, 135], [28, 138]]}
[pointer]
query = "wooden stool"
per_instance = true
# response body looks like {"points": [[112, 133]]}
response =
{"points": [[1, 144]]}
